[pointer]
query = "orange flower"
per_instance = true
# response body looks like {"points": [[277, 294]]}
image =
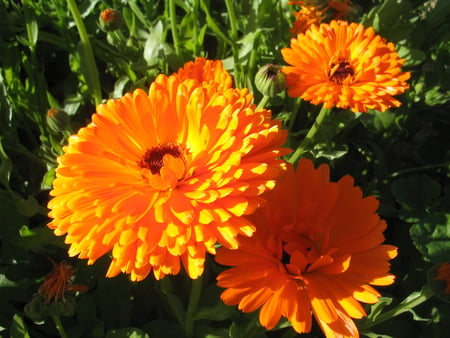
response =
{"points": [[207, 71], [329, 9], [306, 17], [344, 65], [443, 274], [317, 248], [159, 178], [59, 282]]}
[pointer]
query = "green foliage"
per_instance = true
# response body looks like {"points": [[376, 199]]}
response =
{"points": [[402, 156]]}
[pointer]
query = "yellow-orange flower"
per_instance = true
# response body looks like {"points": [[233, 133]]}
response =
{"points": [[59, 282], [443, 274], [159, 178], [207, 71], [344, 65], [317, 248]]}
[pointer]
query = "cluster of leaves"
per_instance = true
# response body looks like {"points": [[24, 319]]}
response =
{"points": [[401, 156]]}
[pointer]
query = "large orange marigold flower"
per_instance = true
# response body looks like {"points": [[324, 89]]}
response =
{"points": [[161, 177], [344, 65], [317, 248]]}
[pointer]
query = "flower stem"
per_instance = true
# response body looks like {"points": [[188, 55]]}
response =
{"points": [[310, 135], [90, 72], [263, 102], [173, 27], [234, 37], [59, 326], [194, 298], [405, 306]]}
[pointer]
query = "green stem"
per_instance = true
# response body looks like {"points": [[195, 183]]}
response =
{"points": [[59, 326], [416, 169], [403, 307], [263, 102], [310, 135], [197, 47], [91, 73], [234, 37], [173, 27], [194, 298]]}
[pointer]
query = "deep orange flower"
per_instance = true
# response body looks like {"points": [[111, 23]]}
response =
{"points": [[161, 177], [443, 274], [344, 65], [59, 282], [317, 248], [328, 9], [304, 18]]}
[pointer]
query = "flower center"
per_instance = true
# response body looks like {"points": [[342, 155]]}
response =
{"points": [[340, 71], [298, 254], [153, 157]]}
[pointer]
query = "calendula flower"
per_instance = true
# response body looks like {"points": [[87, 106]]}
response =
{"points": [[304, 18], [159, 178], [317, 250], [59, 282], [322, 11], [443, 274], [207, 71], [344, 65], [110, 20]]}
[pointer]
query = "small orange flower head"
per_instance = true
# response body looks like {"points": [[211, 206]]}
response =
{"points": [[317, 249], [59, 282], [158, 178], [110, 20], [443, 274], [344, 65]]}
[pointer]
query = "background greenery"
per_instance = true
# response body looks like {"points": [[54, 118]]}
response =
{"points": [[402, 156]]}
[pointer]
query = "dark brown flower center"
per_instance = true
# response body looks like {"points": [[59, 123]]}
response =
{"points": [[340, 71], [153, 157]]}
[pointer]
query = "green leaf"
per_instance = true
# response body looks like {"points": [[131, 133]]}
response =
{"points": [[218, 312], [5, 166], [377, 308], [127, 332], [27, 207], [416, 193], [431, 236], [18, 328]]}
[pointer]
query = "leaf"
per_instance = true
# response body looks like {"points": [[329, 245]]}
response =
{"points": [[127, 332], [377, 308], [416, 193], [18, 328], [5, 166], [218, 312], [431, 236]]}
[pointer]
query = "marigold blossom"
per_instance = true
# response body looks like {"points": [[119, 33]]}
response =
{"points": [[344, 65], [304, 18], [317, 249], [158, 179], [318, 11], [443, 274], [59, 282]]}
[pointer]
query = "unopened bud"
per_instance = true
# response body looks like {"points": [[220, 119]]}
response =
{"points": [[270, 80], [57, 120], [110, 20]]}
